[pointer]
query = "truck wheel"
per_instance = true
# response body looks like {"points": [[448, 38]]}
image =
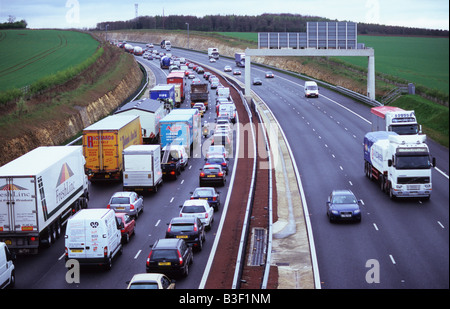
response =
{"points": [[108, 264]]}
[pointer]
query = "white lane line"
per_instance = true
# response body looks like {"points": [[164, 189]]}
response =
{"points": [[137, 254], [392, 259], [157, 223]]}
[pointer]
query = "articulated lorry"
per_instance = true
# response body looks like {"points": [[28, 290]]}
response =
{"points": [[395, 119], [400, 163], [164, 93], [199, 93], [39, 191], [239, 58], [213, 52], [103, 143]]}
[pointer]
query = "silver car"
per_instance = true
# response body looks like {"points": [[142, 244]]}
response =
{"points": [[128, 202]]}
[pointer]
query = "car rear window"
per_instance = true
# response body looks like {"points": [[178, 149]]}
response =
{"points": [[185, 227], [193, 209], [144, 286], [120, 200], [164, 255], [211, 170], [203, 193]]}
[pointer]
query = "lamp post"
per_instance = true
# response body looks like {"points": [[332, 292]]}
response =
{"points": [[188, 33]]}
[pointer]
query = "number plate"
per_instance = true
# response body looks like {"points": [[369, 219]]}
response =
{"points": [[164, 263], [76, 250], [182, 236], [211, 176]]}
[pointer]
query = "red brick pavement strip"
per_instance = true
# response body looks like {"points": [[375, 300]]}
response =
{"points": [[223, 267]]}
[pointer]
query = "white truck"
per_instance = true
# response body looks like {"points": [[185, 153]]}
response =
{"points": [[213, 52], [400, 163], [142, 168], [39, 191], [395, 119]]}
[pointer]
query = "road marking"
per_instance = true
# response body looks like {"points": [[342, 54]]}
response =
{"points": [[441, 224], [157, 223], [375, 226], [392, 259], [171, 200], [137, 254], [182, 182]]}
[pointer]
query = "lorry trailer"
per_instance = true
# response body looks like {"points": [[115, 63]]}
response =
{"points": [[103, 143], [39, 191]]}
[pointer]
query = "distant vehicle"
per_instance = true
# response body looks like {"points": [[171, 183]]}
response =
{"points": [[138, 51], [212, 174], [217, 149], [127, 202], [191, 229], [207, 193], [269, 74], [391, 118], [127, 224], [311, 89], [213, 53], [198, 209], [343, 205], [129, 48], [257, 81], [151, 282], [217, 159], [239, 58], [168, 46], [236, 72], [227, 68], [170, 256], [201, 107]]}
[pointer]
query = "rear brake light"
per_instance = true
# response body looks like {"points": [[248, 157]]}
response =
{"points": [[131, 206], [148, 259], [224, 164], [108, 206], [202, 174], [170, 226], [195, 227], [105, 251], [214, 198], [206, 215], [180, 258], [220, 174]]}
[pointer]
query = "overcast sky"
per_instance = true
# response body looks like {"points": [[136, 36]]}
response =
{"points": [[431, 14]]}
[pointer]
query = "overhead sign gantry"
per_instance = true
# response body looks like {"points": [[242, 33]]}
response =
{"points": [[321, 39]]}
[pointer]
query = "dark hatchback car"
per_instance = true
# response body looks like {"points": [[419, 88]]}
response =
{"points": [[343, 205], [207, 193], [190, 229], [218, 159], [170, 257], [212, 174]]}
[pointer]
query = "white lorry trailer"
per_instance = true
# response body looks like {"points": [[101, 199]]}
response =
{"points": [[142, 168], [395, 119], [39, 191], [400, 163]]}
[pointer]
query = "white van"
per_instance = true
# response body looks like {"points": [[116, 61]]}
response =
{"points": [[311, 89], [93, 237], [7, 270]]}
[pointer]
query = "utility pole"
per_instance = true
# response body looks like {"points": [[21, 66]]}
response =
{"points": [[188, 33]]}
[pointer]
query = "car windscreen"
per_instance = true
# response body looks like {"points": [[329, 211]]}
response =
{"points": [[144, 286]]}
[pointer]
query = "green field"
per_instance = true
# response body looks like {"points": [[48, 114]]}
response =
{"points": [[420, 60], [30, 55]]}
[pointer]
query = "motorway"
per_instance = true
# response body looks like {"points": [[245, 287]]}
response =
{"points": [[47, 269], [408, 239]]}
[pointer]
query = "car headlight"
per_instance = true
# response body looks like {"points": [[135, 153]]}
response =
{"points": [[357, 211], [335, 212]]}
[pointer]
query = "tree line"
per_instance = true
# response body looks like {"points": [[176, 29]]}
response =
{"points": [[13, 24], [246, 23]]}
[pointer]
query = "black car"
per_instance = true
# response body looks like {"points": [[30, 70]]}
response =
{"points": [[190, 229], [207, 193], [343, 205], [212, 174], [170, 257], [218, 159]]}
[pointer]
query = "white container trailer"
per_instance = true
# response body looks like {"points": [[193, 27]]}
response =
{"points": [[142, 168], [39, 191], [150, 112]]}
